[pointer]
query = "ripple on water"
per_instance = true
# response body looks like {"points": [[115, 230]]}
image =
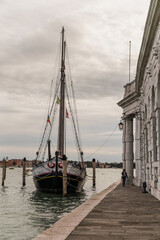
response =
{"points": [[26, 212]]}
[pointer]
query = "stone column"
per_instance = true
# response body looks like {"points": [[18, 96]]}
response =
{"points": [[129, 147], [158, 134], [154, 137], [124, 144], [138, 150]]}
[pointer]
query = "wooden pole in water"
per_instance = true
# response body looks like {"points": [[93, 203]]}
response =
{"points": [[56, 172], [6, 160], [5, 167], [94, 171], [56, 153], [4, 171], [24, 172], [64, 175]]}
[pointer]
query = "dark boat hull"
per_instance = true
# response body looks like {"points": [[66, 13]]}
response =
{"points": [[49, 178], [54, 183]]}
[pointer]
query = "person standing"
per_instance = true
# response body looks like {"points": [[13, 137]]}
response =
{"points": [[124, 176]]}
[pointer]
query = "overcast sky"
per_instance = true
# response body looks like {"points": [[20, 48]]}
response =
{"points": [[98, 34]]}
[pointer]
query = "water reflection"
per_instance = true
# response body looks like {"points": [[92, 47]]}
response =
{"points": [[27, 212], [48, 208], [4, 189]]}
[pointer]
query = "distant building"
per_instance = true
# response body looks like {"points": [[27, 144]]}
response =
{"points": [[101, 165], [107, 166], [16, 163], [141, 103], [104, 165]]}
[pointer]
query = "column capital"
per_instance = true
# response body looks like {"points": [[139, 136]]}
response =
{"points": [[138, 115], [128, 117]]}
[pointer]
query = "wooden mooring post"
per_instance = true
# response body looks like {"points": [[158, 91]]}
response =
{"points": [[64, 175], [94, 171], [4, 171], [24, 173]]}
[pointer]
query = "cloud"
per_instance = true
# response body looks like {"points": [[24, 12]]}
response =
{"points": [[97, 34]]}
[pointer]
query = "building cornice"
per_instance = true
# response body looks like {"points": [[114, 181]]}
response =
{"points": [[128, 100], [130, 95], [150, 30]]}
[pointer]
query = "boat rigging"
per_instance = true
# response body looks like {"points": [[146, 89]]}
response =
{"points": [[48, 173]]}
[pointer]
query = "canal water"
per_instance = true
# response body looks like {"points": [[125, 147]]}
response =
{"points": [[25, 212]]}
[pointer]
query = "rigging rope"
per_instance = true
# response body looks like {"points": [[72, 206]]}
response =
{"points": [[50, 130], [71, 96], [74, 116], [103, 143], [74, 124], [50, 107]]}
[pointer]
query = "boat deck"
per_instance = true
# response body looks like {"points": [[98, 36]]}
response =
{"points": [[117, 213]]}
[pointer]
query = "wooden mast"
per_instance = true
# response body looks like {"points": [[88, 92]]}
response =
{"points": [[62, 100]]}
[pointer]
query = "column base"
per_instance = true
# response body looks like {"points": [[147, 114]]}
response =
{"points": [[130, 180], [137, 182]]}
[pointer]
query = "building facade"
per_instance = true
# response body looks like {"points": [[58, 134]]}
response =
{"points": [[17, 163], [141, 110]]}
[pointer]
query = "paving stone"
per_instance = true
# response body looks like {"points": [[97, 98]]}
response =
{"points": [[124, 214]]}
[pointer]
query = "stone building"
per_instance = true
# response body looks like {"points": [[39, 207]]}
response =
{"points": [[17, 163], [141, 109]]}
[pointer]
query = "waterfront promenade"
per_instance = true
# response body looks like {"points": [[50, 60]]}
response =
{"points": [[117, 213]]}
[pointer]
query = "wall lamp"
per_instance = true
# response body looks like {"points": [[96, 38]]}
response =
{"points": [[120, 125]]}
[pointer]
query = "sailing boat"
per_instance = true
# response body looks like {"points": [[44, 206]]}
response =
{"points": [[48, 173]]}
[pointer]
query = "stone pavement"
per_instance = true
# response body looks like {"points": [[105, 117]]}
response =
{"points": [[62, 228], [124, 214], [117, 213]]}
